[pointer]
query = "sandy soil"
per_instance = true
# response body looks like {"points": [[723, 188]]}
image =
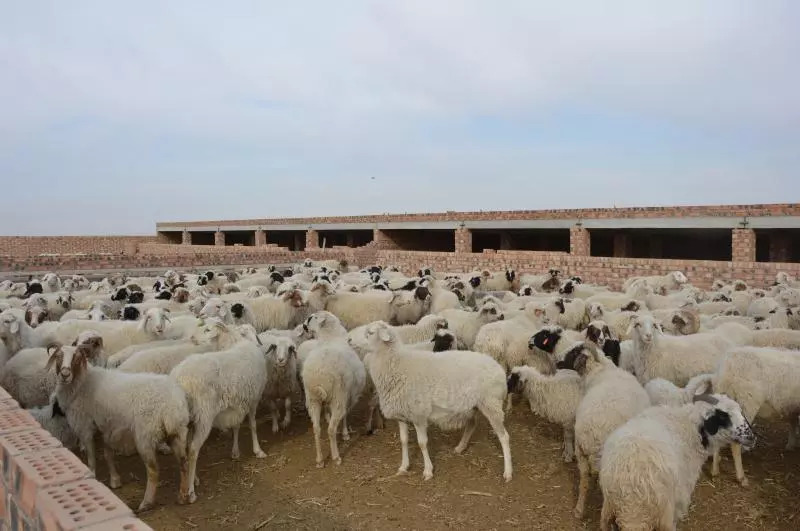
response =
{"points": [[287, 491]]}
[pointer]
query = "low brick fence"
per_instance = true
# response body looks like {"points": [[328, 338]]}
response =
{"points": [[46, 487]]}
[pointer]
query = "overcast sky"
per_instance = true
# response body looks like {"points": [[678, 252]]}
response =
{"points": [[113, 117]]}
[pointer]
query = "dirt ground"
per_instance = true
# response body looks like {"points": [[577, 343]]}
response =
{"points": [[287, 491]]}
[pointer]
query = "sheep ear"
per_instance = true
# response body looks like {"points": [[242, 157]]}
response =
{"points": [[384, 335], [14, 326]]}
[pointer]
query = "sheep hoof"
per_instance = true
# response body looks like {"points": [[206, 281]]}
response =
{"points": [[284, 425], [144, 507], [275, 428], [743, 481], [401, 472], [260, 454], [337, 460], [569, 458], [507, 477], [426, 475], [235, 456], [114, 482], [459, 449]]}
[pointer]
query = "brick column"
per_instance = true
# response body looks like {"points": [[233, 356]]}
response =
{"points": [[463, 238], [383, 240], [186, 237], [312, 239], [579, 241], [622, 245], [743, 245], [219, 238], [261, 238], [779, 246]]}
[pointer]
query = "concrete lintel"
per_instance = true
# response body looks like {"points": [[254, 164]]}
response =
{"points": [[664, 223], [774, 222], [522, 224], [419, 225], [343, 226]]}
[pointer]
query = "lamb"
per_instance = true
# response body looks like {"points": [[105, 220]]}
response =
{"points": [[281, 377], [554, 397], [650, 465], [27, 378], [222, 388], [284, 312], [467, 324], [766, 382], [611, 396], [675, 358], [442, 388], [129, 410], [664, 392], [333, 379]]}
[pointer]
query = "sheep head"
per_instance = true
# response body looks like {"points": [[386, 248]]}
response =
{"points": [[723, 422], [35, 316], [380, 335], [490, 312], [281, 349], [155, 321], [443, 340]]}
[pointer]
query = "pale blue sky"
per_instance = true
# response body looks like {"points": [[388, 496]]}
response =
{"points": [[115, 116]]}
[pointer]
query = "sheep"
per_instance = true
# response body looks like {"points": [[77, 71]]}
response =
{"points": [[99, 310], [765, 381], [443, 339], [281, 377], [467, 324], [664, 392], [410, 306], [554, 397], [551, 281], [16, 334], [618, 321], [611, 396], [650, 465], [573, 313], [222, 388], [612, 301], [356, 309], [671, 281], [507, 341], [129, 410], [681, 321], [26, 378], [284, 312], [674, 358], [54, 420], [333, 379], [442, 388]]}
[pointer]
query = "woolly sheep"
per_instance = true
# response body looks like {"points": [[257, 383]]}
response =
{"points": [[611, 396], [665, 393], [467, 324], [16, 334], [650, 465], [281, 377], [54, 420], [333, 379], [284, 312], [442, 388], [507, 341], [222, 388], [554, 397], [129, 410]]}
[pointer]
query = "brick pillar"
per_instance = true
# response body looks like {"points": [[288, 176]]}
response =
{"points": [[219, 238], [463, 238], [779, 247], [579, 241], [383, 240], [312, 239], [261, 238], [743, 245], [186, 237], [622, 245]]}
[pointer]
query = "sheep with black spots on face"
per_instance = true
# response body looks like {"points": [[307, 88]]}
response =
{"points": [[442, 388], [650, 465]]}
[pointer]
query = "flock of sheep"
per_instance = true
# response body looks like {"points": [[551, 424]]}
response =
{"points": [[647, 383]]}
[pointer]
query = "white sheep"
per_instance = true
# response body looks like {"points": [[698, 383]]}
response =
{"points": [[333, 379], [222, 388], [467, 324], [54, 420], [766, 382], [16, 334], [507, 341], [138, 411], [281, 377], [674, 358], [650, 465], [442, 388], [671, 281], [611, 396], [663, 392], [555, 397], [284, 312]]}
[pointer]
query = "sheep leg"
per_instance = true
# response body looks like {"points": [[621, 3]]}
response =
{"points": [[151, 463], [178, 445], [371, 410], [569, 444], [509, 402], [403, 447], [273, 408], [494, 414], [235, 453], [736, 450], [794, 424], [422, 440], [91, 458], [287, 416], [337, 416], [606, 517], [314, 411], [113, 481], [715, 464], [257, 451], [583, 483], [345, 431], [469, 429], [201, 430]]}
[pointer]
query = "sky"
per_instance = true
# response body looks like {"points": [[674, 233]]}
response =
{"points": [[116, 115]]}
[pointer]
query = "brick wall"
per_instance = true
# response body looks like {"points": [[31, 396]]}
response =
{"points": [[37, 245], [783, 209], [743, 243], [44, 486]]}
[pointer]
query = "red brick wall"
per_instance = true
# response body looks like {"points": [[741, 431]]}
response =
{"points": [[785, 209], [744, 245], [36, 245]]}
